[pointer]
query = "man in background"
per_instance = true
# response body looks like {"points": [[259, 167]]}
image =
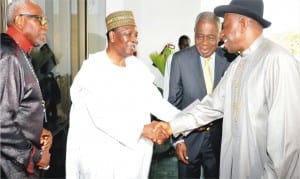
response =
{"points": [[184, 42], [25, 144], [43, 61], [195, 71]]}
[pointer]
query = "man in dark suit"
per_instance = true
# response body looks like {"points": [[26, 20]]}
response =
{"points": [[192, 77]]}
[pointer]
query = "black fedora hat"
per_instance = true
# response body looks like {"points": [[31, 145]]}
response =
{"points": [[250, 8]]}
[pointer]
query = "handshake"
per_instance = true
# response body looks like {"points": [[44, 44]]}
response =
{"points": [[157, 132]]}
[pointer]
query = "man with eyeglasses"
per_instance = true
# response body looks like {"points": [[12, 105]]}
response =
{"points": [[25, 144], [41, 19]]}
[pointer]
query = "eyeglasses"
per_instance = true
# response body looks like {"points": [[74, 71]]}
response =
{"points": [[42, 19]]}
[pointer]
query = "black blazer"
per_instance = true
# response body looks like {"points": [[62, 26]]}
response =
{"points": [[186, 78]]}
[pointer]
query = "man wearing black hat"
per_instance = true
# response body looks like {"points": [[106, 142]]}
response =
{"points": [[258, 98]]}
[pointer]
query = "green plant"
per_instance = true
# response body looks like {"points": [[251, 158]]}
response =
{"points": [[159, 59]]}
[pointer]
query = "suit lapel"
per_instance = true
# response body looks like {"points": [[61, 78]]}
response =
{"points": [[199, 73]]}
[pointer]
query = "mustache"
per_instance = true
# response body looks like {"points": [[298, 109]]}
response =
{"points": [[132, 46]]}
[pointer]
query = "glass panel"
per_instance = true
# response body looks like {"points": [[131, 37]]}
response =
{"points": [[58, 12], [2, 14], [96, 28]]}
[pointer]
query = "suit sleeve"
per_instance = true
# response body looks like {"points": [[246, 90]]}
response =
{"points": [[175, 90], [175, 84], [14, 145]]}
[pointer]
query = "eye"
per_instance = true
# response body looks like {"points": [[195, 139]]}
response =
{"points": [[212, 37], [199, 37], [42, 19]]}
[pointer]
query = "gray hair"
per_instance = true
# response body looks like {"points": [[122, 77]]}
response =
{"points": [[12, 7], [209, 16]]}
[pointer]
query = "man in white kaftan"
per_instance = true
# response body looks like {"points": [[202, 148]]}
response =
{"points": [[112, 97], [261, 120], [258, 98], [110, 106]]}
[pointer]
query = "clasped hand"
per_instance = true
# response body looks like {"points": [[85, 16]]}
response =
{"points": [[157, 132], [46, 143]]}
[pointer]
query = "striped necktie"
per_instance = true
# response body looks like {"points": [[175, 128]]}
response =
{"points": [[208, 76]]}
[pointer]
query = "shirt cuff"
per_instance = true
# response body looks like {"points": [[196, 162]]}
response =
{"points": [[34, 158], [177, 142]]}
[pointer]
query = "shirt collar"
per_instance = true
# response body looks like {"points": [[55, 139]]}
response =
{"points": [[20, 39], [255, 45], [212, 57]]}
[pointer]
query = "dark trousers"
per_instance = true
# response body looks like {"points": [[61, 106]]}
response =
{"points": [[203, 150]]}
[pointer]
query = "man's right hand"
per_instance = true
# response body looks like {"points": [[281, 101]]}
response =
{"points": [[155, 132], [181, 151]]}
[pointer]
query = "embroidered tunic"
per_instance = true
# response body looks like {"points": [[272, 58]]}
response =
{"points": [[259, 99]]}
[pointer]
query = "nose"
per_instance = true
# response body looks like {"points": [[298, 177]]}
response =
{"points": [[135, 39], [205, 40], [45, 27]]}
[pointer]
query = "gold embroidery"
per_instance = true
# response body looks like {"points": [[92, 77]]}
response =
{"points": [[236, 104]]}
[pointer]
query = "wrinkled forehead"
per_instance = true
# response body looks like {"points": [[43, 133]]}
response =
{"points": [[30, 8], [131, 28]]}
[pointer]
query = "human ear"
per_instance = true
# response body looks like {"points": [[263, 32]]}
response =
{"points": [[112, 35], [19, 22], [244, 24]]}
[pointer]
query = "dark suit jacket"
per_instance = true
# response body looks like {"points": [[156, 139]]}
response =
{"points": [[187, 84]]}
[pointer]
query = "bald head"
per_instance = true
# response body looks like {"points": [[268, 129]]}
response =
{"points": [[16, 7]]}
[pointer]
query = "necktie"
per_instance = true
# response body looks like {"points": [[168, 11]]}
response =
{"points": [[208, 76]]}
